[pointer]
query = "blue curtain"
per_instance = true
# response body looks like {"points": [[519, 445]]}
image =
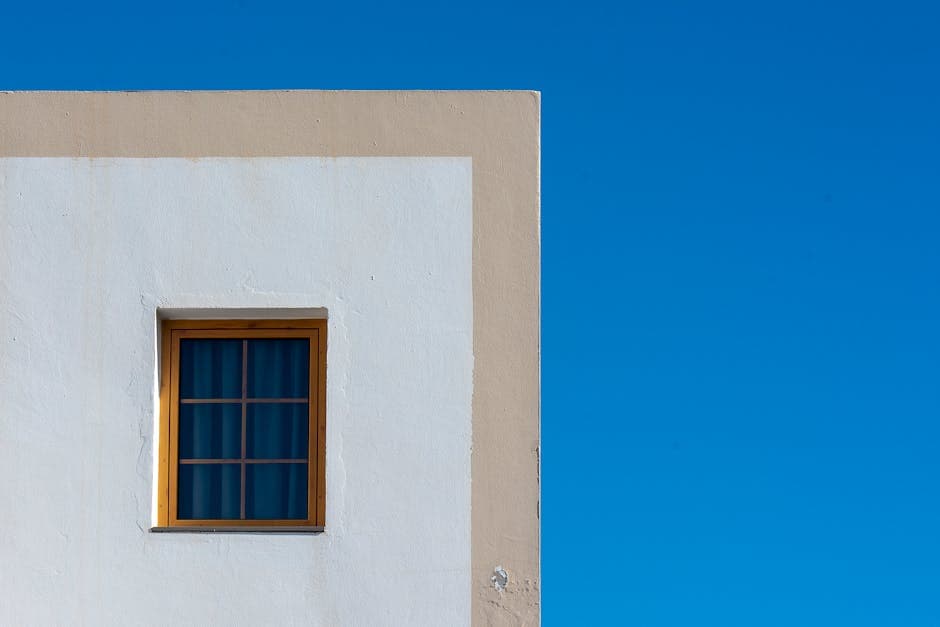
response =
{"points": [[211, 431], [277, 431], [277, 368], [276, 491], [210, 369], [209, 491]]}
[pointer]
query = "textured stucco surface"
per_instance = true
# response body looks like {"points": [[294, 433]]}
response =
{"points": [[91, 248], [499, 130]]}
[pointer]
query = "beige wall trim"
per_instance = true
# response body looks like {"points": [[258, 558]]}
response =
{"points": [[498, 129]]}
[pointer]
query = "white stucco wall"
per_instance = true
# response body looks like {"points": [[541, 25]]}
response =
{"points": [[91, 249]]}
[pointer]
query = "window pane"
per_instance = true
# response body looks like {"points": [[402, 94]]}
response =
{"points": [[210, 368], [210, 431], [278, 368], [276, 491], [277, 431], [209, 491]]}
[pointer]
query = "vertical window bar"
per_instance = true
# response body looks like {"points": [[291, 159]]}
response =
{"points": [[244, 420]]}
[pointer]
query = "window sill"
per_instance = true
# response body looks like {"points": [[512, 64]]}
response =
{"points": [[258, 529]]}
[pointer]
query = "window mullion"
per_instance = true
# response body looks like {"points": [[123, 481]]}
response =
{"points": [[244, 421]]}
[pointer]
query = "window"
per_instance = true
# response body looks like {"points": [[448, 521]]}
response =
{"points": [[242, 424]]}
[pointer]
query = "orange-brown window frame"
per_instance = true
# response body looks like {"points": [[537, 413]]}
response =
{"points": [[172, 331]]}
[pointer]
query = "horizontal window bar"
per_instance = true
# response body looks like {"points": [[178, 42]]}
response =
{"points": [[247, 460], [197, 401]]}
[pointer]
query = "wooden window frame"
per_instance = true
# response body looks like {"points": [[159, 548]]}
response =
{"points": [[172, 331]]}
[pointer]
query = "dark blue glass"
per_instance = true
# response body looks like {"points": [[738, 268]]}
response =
{"points": [[210, 431], [209, 491], [210, 368], [277, 430], [278, 368], [276, 491]]}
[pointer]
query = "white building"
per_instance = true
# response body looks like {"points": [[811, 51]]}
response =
{"points": [[269, 358]]}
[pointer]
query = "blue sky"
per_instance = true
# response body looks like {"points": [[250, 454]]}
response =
{"points": [[741, 218]]}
